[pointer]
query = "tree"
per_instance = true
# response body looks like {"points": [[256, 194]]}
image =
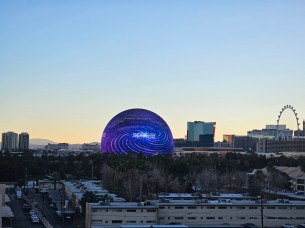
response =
{"points": [[207, 180], [88, 197], [56, 178], [256, 183]]}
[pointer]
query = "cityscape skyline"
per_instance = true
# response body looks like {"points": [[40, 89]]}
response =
{"points": [[67, 67]]}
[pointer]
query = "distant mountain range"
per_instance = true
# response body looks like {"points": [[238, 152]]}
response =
{"points": [[41, 143]]}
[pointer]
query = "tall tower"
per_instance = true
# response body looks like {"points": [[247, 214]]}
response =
{"points": [[303, 127], [201, 134], [9, 141], [24, 140]]}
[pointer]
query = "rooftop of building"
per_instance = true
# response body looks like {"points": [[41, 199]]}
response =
{"points": [[94, 186], [293, 172], [222, 202]]}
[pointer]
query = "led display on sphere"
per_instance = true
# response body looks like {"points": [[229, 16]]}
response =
{"points": [[137, 131]]}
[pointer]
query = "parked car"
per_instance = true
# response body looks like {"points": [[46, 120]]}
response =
{"points": [[35, 219], [26, 207], [35, 204], [32, 212], [289, 226]]}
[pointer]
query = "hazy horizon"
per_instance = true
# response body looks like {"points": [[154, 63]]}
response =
{"points": [[67, 68]]}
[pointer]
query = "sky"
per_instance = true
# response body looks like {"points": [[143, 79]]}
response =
{"points": [[67, 67]]}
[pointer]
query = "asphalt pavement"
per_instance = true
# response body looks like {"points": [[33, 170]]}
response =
{"points": [[50, 213], [21, 217]]}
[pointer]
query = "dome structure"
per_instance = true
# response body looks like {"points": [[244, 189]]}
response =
{"points": [[137, 131]]}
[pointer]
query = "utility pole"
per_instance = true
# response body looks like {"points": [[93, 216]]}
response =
{"points": [[63, 207], [26, 180], [43, 195], [262, 211]]}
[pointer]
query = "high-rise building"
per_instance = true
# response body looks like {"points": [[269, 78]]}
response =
{"points": [[24, 140], [201, 134], [9, 141]]}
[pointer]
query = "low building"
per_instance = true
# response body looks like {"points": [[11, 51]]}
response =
{"points": [[195, 213], [6, 213], [295, 173], [75, 190], [58, 146], [271, 132], [94, 147], [275, 146], [247, 143], [187, 151]]}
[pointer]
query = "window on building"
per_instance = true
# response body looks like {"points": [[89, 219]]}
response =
{"points": [[210, 217], [300, 181], [282, 207], [178, 207], [191, 207], [239, 207], [219, 217], [118, 210], [209, 207], [131, 221], [161, 207], [178, 217], [300, 218], [270, 217], [253, 218], [270, 207], [221, 207], [253, 207], [161, 218], [300, 188], [151, 210], [131, 210], [116, 221], [191, 218], [299, 208], [242, 218]]}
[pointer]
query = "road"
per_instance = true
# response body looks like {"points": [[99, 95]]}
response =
{"points": [[21, 218], [50, 213]]}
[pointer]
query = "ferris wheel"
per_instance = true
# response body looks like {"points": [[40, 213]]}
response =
{"points": [[280, 134]]}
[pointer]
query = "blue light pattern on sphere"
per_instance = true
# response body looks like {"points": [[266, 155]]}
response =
{"points": [[138, 131]]}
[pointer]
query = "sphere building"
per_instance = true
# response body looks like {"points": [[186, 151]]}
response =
{"points": [[137, 131]]}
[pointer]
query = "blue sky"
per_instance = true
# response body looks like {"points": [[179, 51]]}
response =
{"points": [[67, 67]]}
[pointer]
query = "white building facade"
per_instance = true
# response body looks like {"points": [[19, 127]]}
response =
{"points": [[196, 212]]}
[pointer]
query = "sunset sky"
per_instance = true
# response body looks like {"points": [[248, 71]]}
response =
{"points": [[67, 67]]}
